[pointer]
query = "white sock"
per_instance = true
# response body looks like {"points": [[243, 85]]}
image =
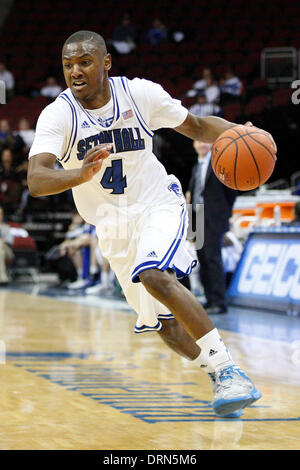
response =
{"points": [[202, 362], [215, 351]]}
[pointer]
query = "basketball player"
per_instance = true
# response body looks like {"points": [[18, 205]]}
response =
{"points": [[101, 130]]}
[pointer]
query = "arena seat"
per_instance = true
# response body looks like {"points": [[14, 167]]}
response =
{"points": [[212, 59], [282, 97], [286, 209], [231, 33], [243, 70], [256, 105], [25, 260], [232, 111]]}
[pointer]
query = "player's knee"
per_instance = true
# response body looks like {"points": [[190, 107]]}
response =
{"points": [[157, 282]]}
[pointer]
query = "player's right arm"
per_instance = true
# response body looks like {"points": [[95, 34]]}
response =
{"points": [[44, 180], [52, 131]]}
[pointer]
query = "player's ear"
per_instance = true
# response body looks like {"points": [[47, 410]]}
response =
{"points": [[107, 62]]}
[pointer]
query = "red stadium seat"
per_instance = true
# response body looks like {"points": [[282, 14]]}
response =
{"points": [[234, 58], [243, 70], [256, 105], [254, 58], [212, 46], [154, 71], [167, 48], [259, 87], [170, 59], [220, 69], [282, 97], [175, 71], [231, 111], [212, 59], [232, 45], [25, 260]]}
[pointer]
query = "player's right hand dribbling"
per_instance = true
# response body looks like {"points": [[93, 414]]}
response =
{"points": [[93, 159]]}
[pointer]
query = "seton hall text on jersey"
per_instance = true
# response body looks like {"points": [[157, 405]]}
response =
{"points": [[125, 140]]}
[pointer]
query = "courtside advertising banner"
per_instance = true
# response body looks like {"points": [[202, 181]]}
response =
{"points": [[268, 274]]}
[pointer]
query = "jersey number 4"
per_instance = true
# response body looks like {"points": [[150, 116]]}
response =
{"points": [[113, 178]]}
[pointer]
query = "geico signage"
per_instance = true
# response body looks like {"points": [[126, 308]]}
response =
{"points": [[271, 268]]}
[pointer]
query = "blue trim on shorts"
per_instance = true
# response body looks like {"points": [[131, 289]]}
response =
{"points": [[143, 267], [172, 250], [166, 316], [144, 328], [163, 265], [181, 274]]}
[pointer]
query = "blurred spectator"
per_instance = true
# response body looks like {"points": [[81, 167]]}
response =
{"points": [[10, 187], [8, 139], [206, 85], [201, 84], [79, 245], [8, 78], [4, 129], [52, 89], [65, 258], [24, 194], [205, 188], [202, 108], [68, 259], [6, 241], [212, 91], [124, 36], [230, 87], [7, 170], [157, 33], [25, 132], [106, 286]]}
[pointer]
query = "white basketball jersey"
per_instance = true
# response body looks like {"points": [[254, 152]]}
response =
{"points": [[131, 177]]}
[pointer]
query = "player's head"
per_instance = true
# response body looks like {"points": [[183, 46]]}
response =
{"points": [[85, 64]]}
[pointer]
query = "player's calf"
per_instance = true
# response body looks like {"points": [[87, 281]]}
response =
{"points": [[174, 335]]}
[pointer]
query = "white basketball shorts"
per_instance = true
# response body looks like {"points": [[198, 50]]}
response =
{"points": [[154, 239]]}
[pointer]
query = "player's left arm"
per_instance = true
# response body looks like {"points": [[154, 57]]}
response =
{"points": [[205, 129], [208, 129]]}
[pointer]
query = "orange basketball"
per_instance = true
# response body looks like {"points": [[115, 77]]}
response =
{"points": [[243, 157]]}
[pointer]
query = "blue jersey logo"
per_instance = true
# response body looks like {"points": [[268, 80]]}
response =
{"points": [[176, 189]]}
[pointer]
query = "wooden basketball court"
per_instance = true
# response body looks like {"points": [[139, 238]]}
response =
{"points": [[77, 377]]}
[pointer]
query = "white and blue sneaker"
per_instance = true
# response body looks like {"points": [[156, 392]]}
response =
{"points": [[234, 414], [233, 391]]}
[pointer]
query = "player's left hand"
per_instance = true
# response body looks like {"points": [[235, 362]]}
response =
{"points": [[249, 124]]}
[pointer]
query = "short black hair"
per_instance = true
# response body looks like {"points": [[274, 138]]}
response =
{"points": [[90, 36]]}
